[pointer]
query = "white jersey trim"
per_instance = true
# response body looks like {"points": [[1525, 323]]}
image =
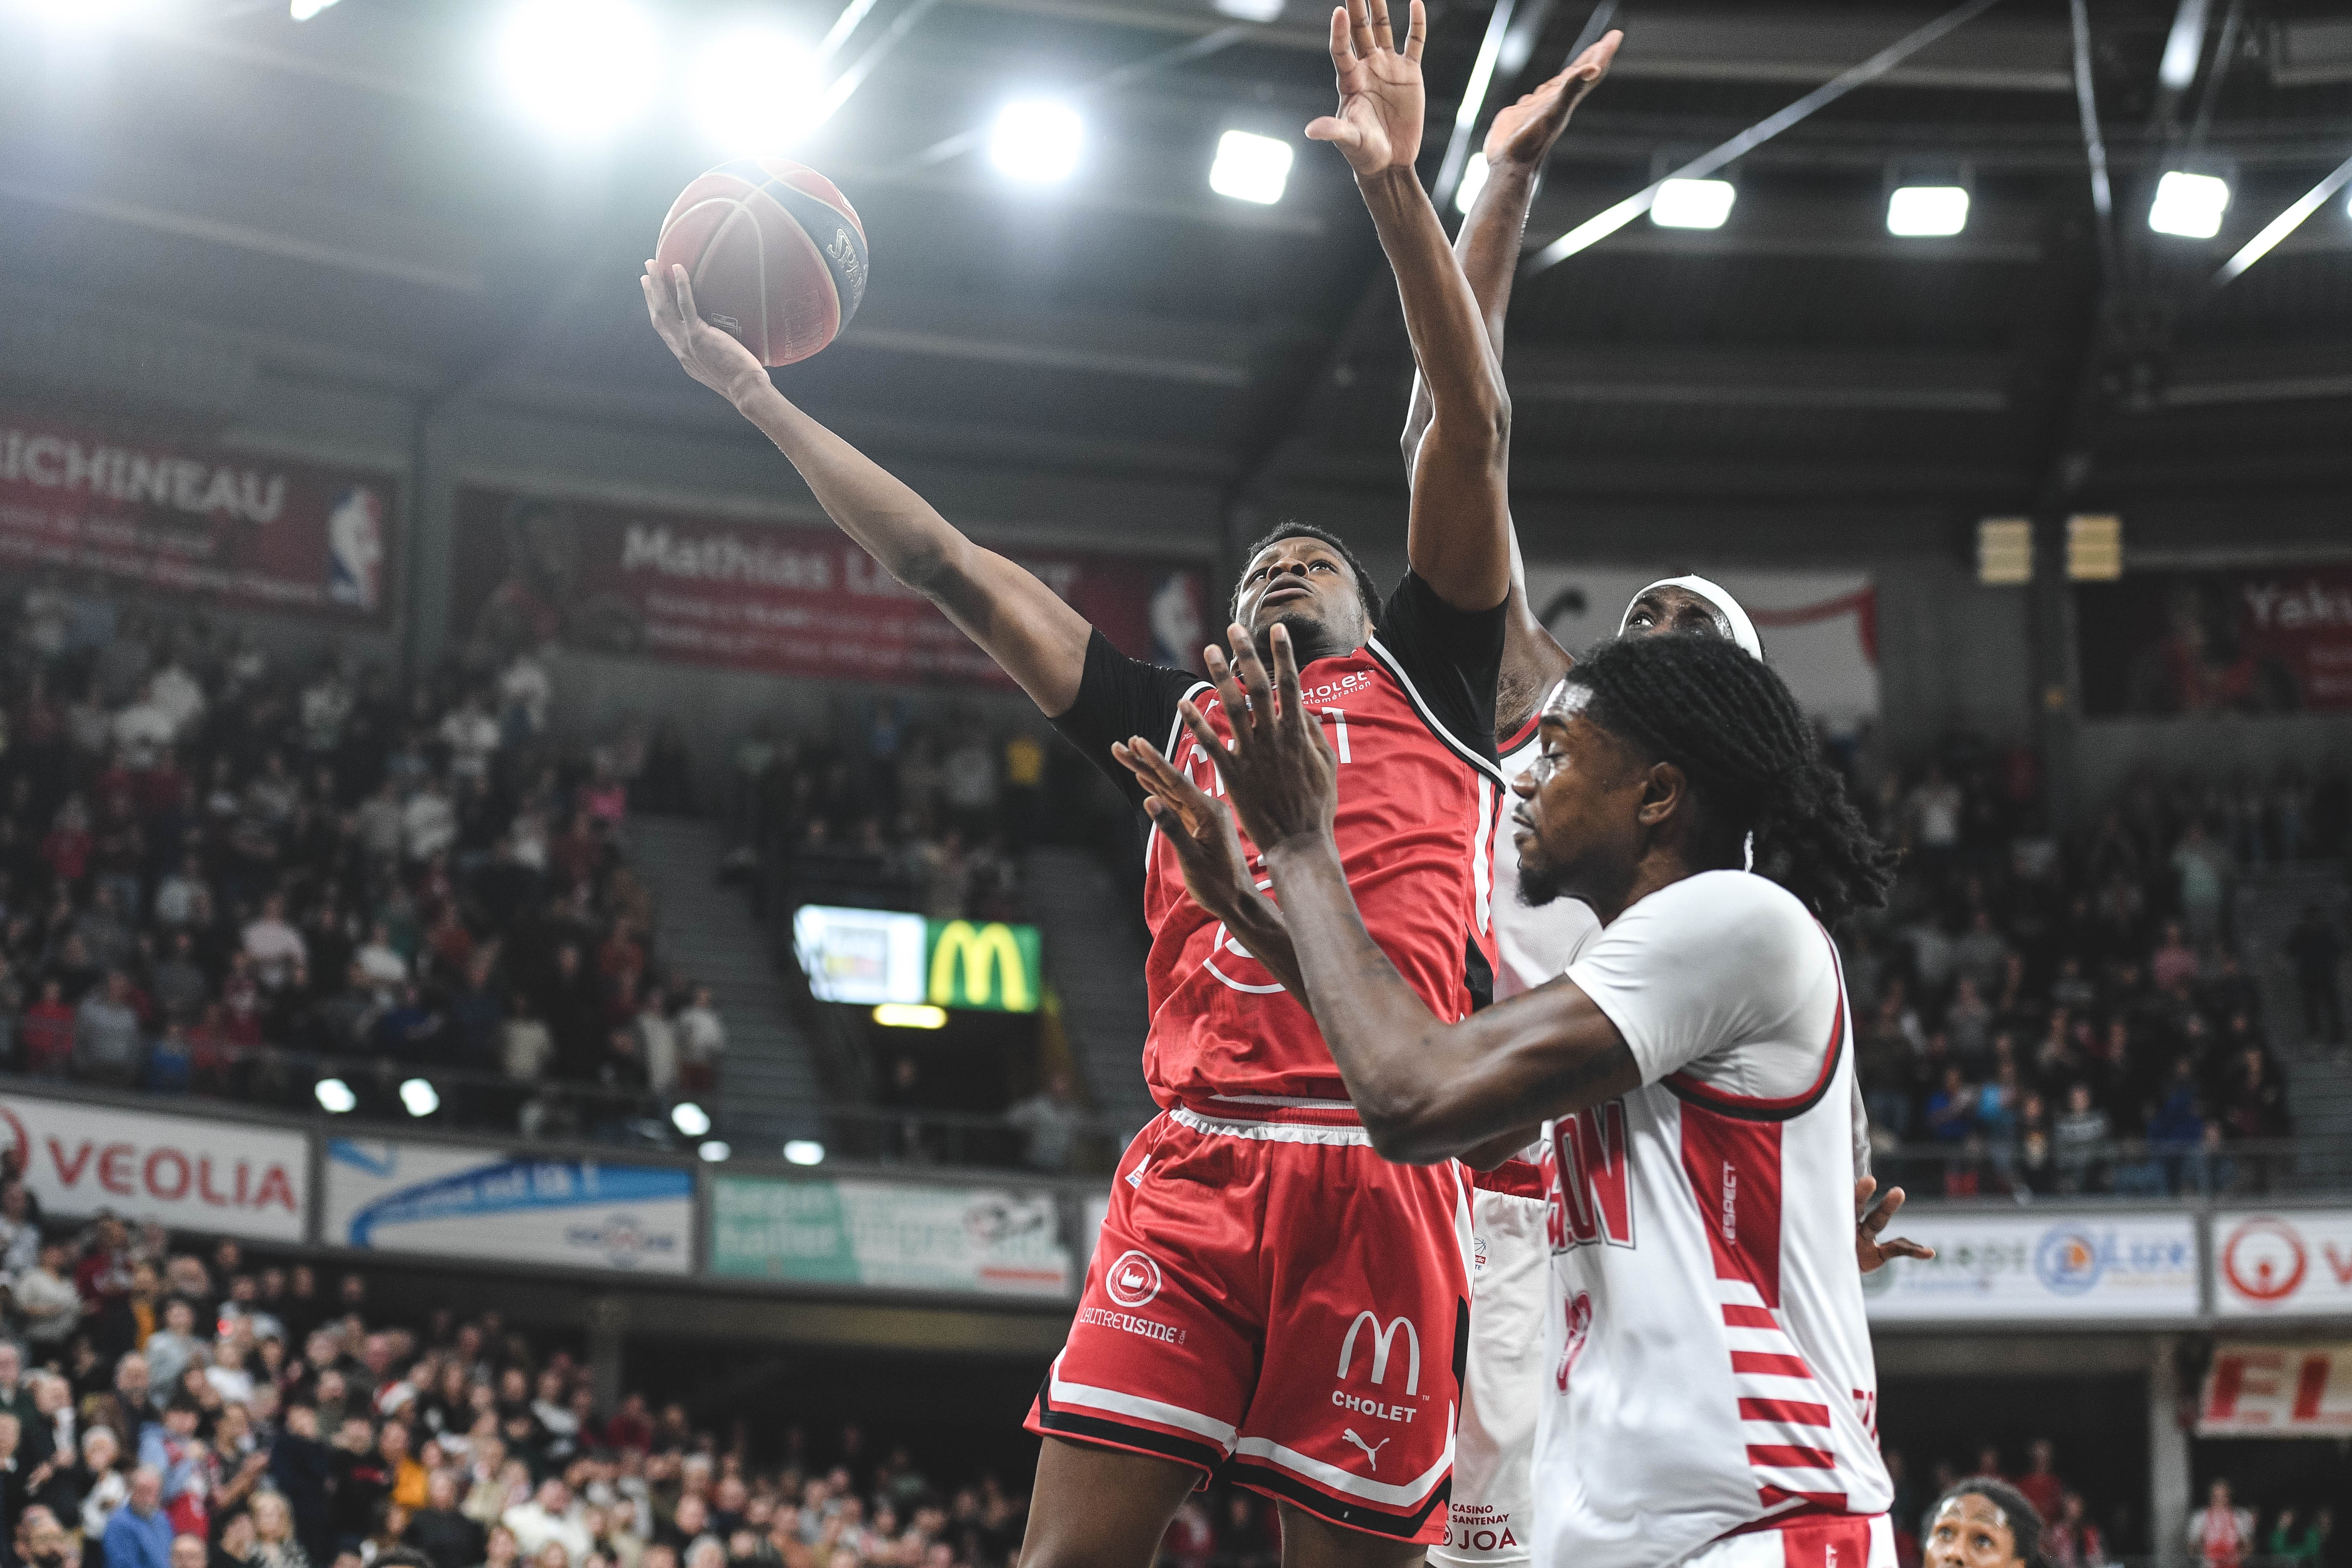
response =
{"points": [[1272, 1131], [1412, 693], [1404, 1495], [1086, 1396]]}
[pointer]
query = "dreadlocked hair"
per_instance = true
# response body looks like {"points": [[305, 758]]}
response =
{"points": [[1366, 591], [1727, 720]]}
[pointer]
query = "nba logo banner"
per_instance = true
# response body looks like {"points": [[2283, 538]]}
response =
{"points": [[149, 512]]}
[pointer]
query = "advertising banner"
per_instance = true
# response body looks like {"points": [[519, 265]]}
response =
{"points": [[773, 597], [867, 956], [2026, 1267], [977, 1240], [169, 516], [1820, 629], [2158, 642], [2277, 1391], [455, 1202], [2293, 1263], [228, 1178]]}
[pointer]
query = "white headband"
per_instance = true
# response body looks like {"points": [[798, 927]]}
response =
{"points": [[1743, 630]]}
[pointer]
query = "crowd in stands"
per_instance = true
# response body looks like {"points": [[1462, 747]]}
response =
{"points": [[2049, 1016], [227, 873], [162, 1405], [889, 812]]}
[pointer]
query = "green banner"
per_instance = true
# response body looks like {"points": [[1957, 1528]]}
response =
{"points": [[990, 966], [892, 1235]]}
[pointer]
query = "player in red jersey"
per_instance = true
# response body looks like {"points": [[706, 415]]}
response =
{"points": [[1267, 1295]]}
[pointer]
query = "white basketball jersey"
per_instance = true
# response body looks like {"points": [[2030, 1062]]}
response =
{"points": [[1531, 946], [1710, 1366]]}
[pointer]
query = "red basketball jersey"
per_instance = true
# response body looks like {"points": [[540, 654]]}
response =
{"points": [[1410, 718], [1416, 821]]}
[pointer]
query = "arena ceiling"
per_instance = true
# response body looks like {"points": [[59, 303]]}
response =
{"points": [[353, 197]]}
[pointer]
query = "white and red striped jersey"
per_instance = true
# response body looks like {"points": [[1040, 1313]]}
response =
{"points": [[1710, 1367]]}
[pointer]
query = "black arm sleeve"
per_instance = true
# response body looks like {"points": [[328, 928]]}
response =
{"points": [[1120, 697], [1452, 657]]}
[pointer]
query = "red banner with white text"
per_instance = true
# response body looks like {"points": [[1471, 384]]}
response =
{"points": [[2271, 641], [169, 516], [2266, 1390], [692, 588]]}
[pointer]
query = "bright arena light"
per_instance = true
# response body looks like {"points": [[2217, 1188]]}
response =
{"points": [[1037, 141], [335, 1097], [804, 1152], [303, 10], [910, 1015], [716, 1150], [1927, 212], [1694, 204], [1251, 10], [1474, 180], [419, 1097], [2190, 206], [581, 67], [1250, 168], [756, 90], [689, 1119]]}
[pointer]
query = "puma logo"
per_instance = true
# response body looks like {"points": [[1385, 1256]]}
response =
{"points": [[1372, 1450]]}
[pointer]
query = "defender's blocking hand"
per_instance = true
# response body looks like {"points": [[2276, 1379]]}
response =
{"points": [[1524, 132], [1280, 772]]}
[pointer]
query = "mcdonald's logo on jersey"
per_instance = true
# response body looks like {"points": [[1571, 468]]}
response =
{"points": [[1588, 1181], [992, 965], [1384, 1341]]}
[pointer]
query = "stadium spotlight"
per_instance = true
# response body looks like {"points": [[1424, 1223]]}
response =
{"points": [[303, 10], [2190, 206], [334, 1097], [580, 66], [804, 1152], [715, 1150], [689, 1119], [1250, 10], [1250, 168], [910, 1015], [1474, 180], [419, 1097], [1693, 204], [756, 90], [1037, 141], [1926, 212]]}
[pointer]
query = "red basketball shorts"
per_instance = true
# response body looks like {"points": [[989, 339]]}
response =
{"points": [[1272, 1297]]}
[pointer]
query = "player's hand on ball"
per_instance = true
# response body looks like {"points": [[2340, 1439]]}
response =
{"points": [[1524, 132], [1378, 126], [709, 354], [1280, 773], [1216, 872], [1869, 1251]]}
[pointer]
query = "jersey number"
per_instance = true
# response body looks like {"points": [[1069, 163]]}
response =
{"points": [[1589, 1185]]}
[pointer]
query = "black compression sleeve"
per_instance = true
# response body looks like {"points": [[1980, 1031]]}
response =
{"points": [[1120, 697]]}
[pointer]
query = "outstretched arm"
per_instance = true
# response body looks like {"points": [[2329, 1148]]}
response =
{"points": [[1459, 537], [1427, 1090], [1021, 624], [1516, 146]]}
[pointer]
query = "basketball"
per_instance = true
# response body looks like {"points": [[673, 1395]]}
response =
{"points": [[776, 255]]}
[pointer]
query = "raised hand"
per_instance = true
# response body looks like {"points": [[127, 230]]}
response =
{"points": [[1200, 832], [1378, 126], [709, 355], [1524, 132], [1869, 1251], [1280, 773]]}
